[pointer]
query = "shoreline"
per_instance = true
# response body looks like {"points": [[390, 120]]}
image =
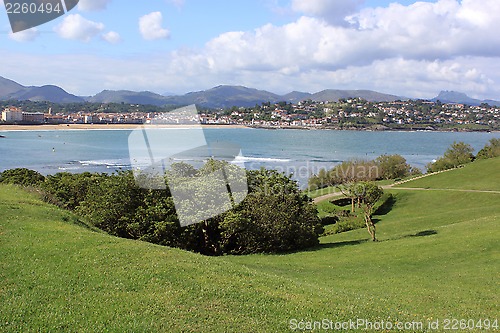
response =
{"points": [[110, 127], [93, 127]]}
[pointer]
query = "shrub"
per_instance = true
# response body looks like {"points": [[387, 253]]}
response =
{"points": [[21, 176]]}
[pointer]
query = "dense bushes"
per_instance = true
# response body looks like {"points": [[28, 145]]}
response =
{"points": [[275, 216], [23, 177]]}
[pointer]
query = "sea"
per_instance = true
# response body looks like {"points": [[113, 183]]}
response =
{"points": [[300, 153]]}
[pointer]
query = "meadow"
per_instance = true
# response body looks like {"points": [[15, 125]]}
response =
{"points": [[438, 258]]}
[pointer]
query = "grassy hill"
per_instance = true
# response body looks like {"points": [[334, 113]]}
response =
{"points": [[482, 175], [438, 257]]}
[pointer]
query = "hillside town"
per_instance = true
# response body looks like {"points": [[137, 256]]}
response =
{"points": [[354, 113]]}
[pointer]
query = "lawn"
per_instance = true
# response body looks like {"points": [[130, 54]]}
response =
{"points": [[438, 257], [483, 175]]}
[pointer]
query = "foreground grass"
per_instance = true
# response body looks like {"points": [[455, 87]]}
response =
{"points": [[438, 258]]}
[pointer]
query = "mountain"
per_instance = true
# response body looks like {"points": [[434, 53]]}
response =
{"points": [[461, 98], [296, 96], [222, 96], [129, 97], [369, 95], [8, 87], [13, 90], [225, 96], [49, 93]]}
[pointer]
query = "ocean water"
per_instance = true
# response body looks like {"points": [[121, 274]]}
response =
{"points": [[297, 152]]}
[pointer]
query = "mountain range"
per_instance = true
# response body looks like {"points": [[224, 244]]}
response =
{"points": [[223, 96]]}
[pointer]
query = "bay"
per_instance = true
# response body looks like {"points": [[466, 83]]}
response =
{"points": [[297, 152]]}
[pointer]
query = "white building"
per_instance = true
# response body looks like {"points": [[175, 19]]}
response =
{"points": [[12, 114]]}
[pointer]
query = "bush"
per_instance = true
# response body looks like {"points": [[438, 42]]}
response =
{"points": [[22, 177], [274, 217]]}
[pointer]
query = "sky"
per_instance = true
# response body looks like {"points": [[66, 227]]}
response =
{"points": [[403, 47]]}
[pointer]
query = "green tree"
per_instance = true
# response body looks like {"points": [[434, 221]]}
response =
{"points": [[458, 154], [370, 194], [490, 150], [393, 167]]}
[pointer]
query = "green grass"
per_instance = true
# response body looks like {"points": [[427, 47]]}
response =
{"points": [[438, 257], [482, 175], [323, 191]]}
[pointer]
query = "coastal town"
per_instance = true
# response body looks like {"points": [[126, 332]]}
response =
{"points": [[354, 113]]}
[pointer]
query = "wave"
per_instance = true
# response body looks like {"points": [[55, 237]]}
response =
{"points": [[240, 159], [106, 163]]}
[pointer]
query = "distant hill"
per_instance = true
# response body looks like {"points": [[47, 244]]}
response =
{"points": [[129, 97], [225, 96], [50, 93], [296, 96], [461, 98], [13, 90], [222, 96], [369, 95], [8, 87]]}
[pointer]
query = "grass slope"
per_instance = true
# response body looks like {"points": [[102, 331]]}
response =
{"points": [[438, 258], [482, 175]]}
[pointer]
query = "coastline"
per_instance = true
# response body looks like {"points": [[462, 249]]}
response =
{"points": [[109, 127], [66, 127]]}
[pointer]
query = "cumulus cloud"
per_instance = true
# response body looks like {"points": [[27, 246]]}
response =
{"points": [[112, 37], [78, 28], [93, 5], [412, 51], [333, 11], [25, 35], [150, 26]]}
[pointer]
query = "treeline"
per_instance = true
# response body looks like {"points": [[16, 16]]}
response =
{"points": [[85, 107], [348, 172], [275, 217]]}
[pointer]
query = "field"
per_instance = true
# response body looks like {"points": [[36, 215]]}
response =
{"points": [[438, 257]]}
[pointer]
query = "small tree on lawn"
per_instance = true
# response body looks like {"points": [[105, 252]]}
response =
{"points": [[370, 195]]}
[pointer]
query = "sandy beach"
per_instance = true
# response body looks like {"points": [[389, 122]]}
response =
{"points": [[100, 127]]}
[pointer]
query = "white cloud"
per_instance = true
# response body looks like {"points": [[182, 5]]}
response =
{"points": [[93, 5], [25, 35], [112, 37], [78, 28], [150, 26], [333, 11], [413, 51]]}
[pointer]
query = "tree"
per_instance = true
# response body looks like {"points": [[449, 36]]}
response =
{"points": [[370, 195], [490, 150], [459, 153], [393, 167]]}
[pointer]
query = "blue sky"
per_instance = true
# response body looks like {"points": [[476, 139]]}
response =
{"points": [[404, 47]]}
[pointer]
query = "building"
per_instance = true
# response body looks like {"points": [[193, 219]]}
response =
{"points": [[16, 115], [12, 115], [35, 117]]}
